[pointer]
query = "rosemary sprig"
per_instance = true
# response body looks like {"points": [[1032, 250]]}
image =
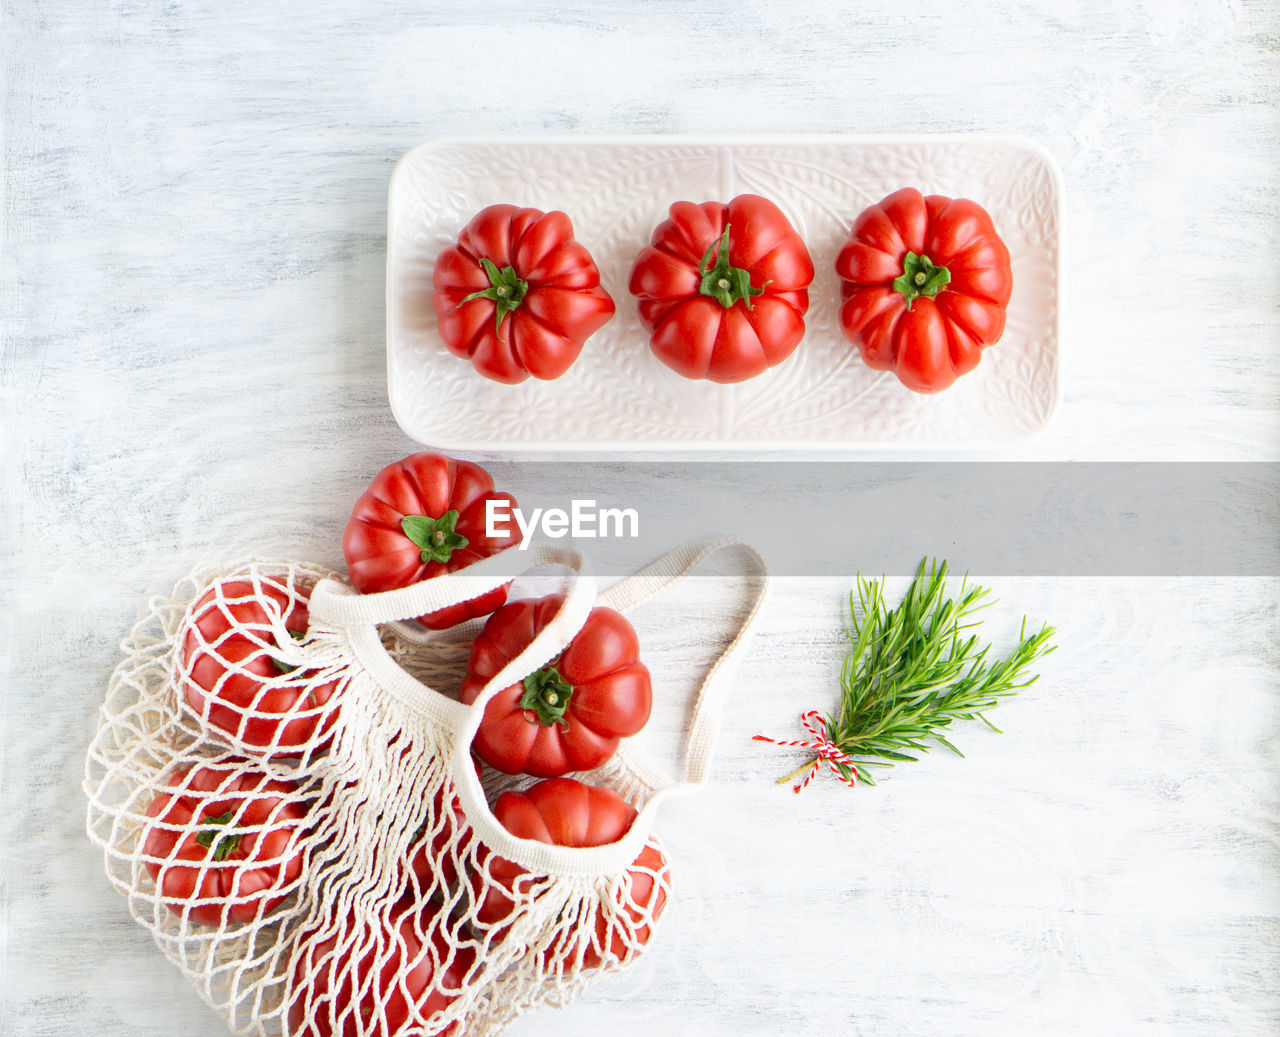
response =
{"points": [[912, 671]]}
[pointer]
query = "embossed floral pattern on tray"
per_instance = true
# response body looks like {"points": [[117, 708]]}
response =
{"points": [[618, 394]]}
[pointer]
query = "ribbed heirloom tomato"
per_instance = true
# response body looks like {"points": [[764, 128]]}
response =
{"points": [[224, 845], [235, 671], [925, 282], [571, 714], [565, 812], [723, 289], [518, 295], [421, 517]]}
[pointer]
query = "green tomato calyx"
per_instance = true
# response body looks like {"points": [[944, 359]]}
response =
{"points": [[506, 290], [920, 277], [438, 538], [223, 843], [546, 696], [722, 282]]}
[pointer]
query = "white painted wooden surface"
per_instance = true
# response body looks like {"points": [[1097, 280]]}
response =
{"points": [[193, 368]]}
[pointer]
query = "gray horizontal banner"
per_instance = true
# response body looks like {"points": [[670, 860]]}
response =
{"points": [[838, 518]]}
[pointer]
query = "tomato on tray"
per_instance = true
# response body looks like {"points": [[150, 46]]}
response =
{"points": [[723, 288], [236, 673], [571, 714], [386, 981], [565, 812], [224, 845], [421, 517], [926, 282], [518, 295]]}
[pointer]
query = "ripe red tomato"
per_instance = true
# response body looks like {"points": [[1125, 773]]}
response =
{"points": [[926, 282], [565, 812], [236, 681], [570, 715], [723, 289], [336, 994], [224, 846], [423, 516], [518, 295]]}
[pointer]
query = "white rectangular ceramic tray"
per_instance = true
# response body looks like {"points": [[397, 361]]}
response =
{"points": [[619, 395]]}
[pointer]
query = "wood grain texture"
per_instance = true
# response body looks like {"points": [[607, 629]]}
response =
{"points": [[193, 368]]}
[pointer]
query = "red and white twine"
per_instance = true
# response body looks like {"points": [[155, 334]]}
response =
{"points": [[821, 746]]}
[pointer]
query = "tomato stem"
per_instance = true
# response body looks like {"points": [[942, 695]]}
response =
{"points": [[506, 290], [438, 538], [722, 282], [920, 277], [223, 843], [546, 696]]}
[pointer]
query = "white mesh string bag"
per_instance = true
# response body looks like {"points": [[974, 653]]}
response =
{"points": [[290, 805]]}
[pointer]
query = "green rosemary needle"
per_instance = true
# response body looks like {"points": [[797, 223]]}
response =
{"points": [[912, 671]]}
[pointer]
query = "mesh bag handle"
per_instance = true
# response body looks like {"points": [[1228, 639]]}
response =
{"points": [[699, 743], [336, 605], [708, 703], [335, 602], [340, 604], [359, 615]]}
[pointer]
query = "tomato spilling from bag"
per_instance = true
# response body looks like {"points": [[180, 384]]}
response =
{"points": [[569, 715], [421, 517], [926, 283], [235, 654], [565, 812], [518, 295], [388, 982], [723, 289], [224, 846]]}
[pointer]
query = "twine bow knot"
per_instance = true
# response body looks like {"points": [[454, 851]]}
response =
{"points": [[823, 749]]}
